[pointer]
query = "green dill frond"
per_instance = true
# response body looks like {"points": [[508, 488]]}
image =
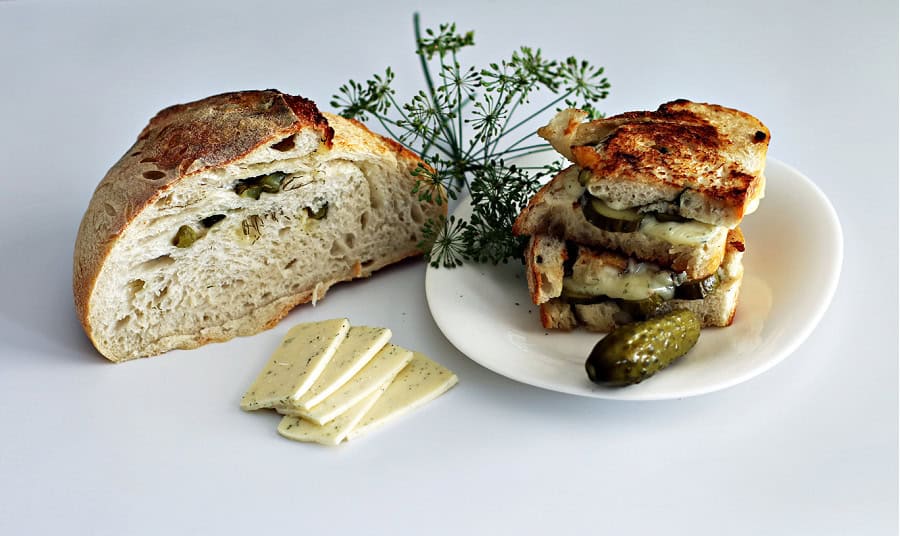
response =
{"points": [[430, 187], [352, 101], [443, 242], [443, 41], [466, 124], [487, 118]]}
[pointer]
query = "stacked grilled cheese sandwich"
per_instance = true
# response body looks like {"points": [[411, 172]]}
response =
{"points": [[646, 220]]}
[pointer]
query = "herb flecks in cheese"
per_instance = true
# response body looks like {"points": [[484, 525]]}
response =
{"points": [[351, 379], [296, 364], [383, 367], [690, 233], [420, 382], [357, 349], [299, 429]]}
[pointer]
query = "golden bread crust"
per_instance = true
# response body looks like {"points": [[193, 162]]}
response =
{"points": [[214, 131]]}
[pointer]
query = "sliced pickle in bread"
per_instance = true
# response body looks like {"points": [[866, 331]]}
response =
{"points": [[608, 219]]}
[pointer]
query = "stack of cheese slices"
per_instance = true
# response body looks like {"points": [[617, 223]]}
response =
{"points": [[333, 382], [646, 219]]}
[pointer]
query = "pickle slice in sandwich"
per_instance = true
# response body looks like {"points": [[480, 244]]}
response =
{"points": [[581, 298], [609, 219], [697, 289]]}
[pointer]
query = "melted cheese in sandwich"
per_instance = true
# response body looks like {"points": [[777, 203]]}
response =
{"points": [[639, 282], [689, 233]]}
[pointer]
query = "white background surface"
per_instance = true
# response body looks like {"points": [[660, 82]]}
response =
{"points": [[159, 446]]}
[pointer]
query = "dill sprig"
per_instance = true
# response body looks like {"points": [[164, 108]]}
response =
{"points": [[469, 124]]}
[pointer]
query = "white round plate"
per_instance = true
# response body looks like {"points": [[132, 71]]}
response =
{"points": [[791, 269]]}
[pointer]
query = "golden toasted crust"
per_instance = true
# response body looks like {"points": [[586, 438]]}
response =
{"points": [[735, 241], [355, 136], [180, 141]]}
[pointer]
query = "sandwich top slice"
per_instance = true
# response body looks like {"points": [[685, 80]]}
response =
{"points": [[600, 289], [701, 162]]}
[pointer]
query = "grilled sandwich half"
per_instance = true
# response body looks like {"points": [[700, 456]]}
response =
{"points": [[663, 186], [645, 220]]}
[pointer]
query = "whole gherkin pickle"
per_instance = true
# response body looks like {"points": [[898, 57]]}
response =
{"points": [[634, 352]]}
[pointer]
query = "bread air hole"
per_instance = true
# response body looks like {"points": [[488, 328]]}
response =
{"points": [[135, 286], [120, 324], [350, 240], [364, 220], [376, 197], [163, 201], [338, 248], [290, 265], [284, 145], [154, 175], [155, 264], [415, 212], [283, 232]]}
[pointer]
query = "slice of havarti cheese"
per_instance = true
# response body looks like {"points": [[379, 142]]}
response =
{"points": [[296, 364], [420, 382], [382, 368], [357, 349], [331, 434]]}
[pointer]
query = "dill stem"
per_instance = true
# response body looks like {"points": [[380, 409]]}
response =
{"points": [[543, 149], [512, 112], [384, 123], [535, 114], [458, 101], [430, 83]]}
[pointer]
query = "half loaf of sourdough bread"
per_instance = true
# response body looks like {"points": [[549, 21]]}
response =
{"points": [[229, 211]]}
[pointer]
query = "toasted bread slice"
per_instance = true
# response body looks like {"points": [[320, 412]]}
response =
{"points": [[557, 312], [546, 256], [556, 210], [702, 161]]}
